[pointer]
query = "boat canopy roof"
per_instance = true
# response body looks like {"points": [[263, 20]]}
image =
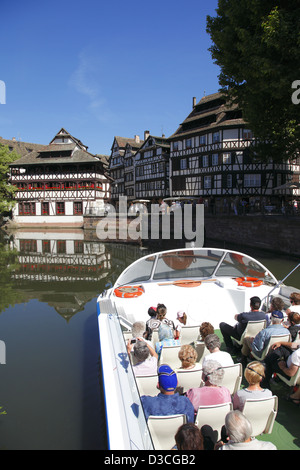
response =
{"points": [[200, 263]]}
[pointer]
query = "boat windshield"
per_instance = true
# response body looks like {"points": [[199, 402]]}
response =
{"points": [[196, 263]]}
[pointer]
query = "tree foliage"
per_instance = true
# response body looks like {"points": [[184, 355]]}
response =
{"points": [[256, 44], [7, 190]]}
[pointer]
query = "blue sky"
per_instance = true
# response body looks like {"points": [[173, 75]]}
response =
{"points": [[101, 69]]}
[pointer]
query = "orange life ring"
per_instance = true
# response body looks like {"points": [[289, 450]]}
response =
{"points": [[128, 292], [249, 281]]}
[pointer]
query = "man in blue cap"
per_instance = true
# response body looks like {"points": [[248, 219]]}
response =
{"points": [[167, 402], [258, 344]]}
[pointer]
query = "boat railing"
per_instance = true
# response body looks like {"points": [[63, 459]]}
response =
{"points": [[279, 283]]}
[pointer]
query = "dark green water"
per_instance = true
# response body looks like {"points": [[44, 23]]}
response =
{"points": [[51, 383]]}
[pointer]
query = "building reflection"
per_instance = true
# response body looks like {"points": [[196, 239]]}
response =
{"points": [[66, 269]]}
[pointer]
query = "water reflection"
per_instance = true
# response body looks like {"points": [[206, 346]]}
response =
{"points": [[65, 269]]}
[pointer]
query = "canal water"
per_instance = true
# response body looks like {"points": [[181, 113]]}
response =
{"points": [[50, 374]]}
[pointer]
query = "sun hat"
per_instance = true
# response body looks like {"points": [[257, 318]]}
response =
{"points": [[180, 314], [167, 378]]}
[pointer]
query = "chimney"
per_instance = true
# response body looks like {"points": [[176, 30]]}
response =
{"points": [[194, 101], [146, 135], [137, 139]]}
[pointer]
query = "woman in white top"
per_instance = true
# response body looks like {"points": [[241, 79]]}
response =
{"points": [[295, 303], [213, 344], [181, 321], [254, 374]]}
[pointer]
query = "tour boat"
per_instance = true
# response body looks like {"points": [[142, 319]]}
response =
{"points": [[209, 284]]}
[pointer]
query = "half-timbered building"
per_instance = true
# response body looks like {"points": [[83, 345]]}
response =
{"points": [[58, 183], [210, 157], [121, 163], [152, 168]]}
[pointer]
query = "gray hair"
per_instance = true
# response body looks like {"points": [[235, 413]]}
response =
{"points": [[212, 341], [141, 351], [138, 329], [238, 426], [214, 372]]}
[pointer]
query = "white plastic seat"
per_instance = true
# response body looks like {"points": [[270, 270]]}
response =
{"points": [[169, 355], [201, 350], [261, 414], [273, 340], [189, 334], [213, 415], [163, 430], [189, 378], [251, 330], [291, 381], [147, 384], [233, 376], [154, 337]]}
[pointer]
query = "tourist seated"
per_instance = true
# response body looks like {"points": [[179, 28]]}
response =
{"points": [[166, 338], [144, 357], [286, 361], [239, 431], [293, 324], [261, 340], [254, 373], [242, 319], [153, 322], [138, 329], [188, 358], [212, 393], [205, 329], [295, 303], [161, 316], [188, 437], [276, 304], [167, 402], [181, 321], [213, 344]]}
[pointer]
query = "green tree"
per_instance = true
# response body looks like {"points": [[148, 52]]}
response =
{"points": [[256, 44], [7, 190]]}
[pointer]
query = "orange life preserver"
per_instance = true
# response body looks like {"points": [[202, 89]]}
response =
{"points": [[249, 281], [179, 259], [128, 292]]}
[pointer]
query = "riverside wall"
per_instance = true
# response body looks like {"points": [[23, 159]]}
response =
{"points": [[273, 233]]}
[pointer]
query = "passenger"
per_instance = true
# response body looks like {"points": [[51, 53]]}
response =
{"points": [[254, 373], [145, 357], [161, 316], [286, 362], [153, 322], [295, 303], [213, 393], [181, 321], [261, 340], [213, 344], [294, 397], [242, 319], [205, 329], [188, 437], [166, 338], [188, 358], [293, 324], [276, 304], [138, 329], [167, 402], [239, 431]]}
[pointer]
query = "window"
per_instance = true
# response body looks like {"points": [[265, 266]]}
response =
{"points": [[183, 164], [205, 160], [60, 208], [207, 182], [252, 180], [214, 159], [46, 248], [247, 134], [175, 146], [77, 208], [28, 246], [202, 139], [216, 137], [26, 208], [45, 208], [61, 246], [229, 181], [226, 158], [188, 143]]}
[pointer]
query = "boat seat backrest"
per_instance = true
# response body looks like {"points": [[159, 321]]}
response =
{"points": [[274, 339], [213, 415], [169, 355], [251, 330], [261, 414], [233, 376], [189, 334], [163, 429], [189, 379], [147, 384]]}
